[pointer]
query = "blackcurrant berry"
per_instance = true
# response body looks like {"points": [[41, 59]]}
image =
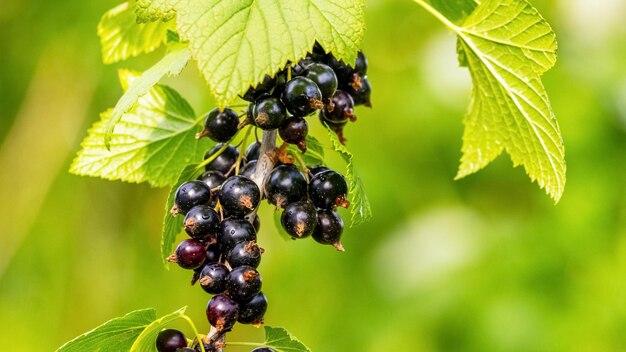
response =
{"points": [[253, 310], [220, 126], [239, 196], [361, 64], [213, 278], [269, 113], [294, 131], [285, 184], [213, 179], [361, 95], [190, 194], [263, 349], [314, 170], [233, 231], [302, 96], [253, 151], [244, 253], [299, 68], [328, 190], [329, 229], [248, 170], [190, 254], [324, 77], [223, 162], [299, 219], [201, 222], [264, 87], [170, 340], [222, 312], [243, 283], [340, 109], [213, 253]]}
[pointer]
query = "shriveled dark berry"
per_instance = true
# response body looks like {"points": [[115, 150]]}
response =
{"points": [[252, 152], [233, 231], [324, 77], [299, 219], [169, 340], [243, 283], [223, 162], [239, 196], [340, 109], [222, 312], [201, 222], [190, 194], [328, 190], [302, 96], [190, 254], [269, 113], [294, 131], [253, 310], [244, 253], [220, 126], [265, 87], [213, 278], [361, 96], [248, 170], [285, 184], [329, 229]]}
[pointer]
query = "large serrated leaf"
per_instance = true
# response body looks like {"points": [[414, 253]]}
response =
{"points": [[155, 10], [282, 341], [115, 335], [455, 10], [507, 46], [151, 144], [359, 204], [121, 37], [236, 43]]}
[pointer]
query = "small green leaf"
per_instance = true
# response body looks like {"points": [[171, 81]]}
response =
{"points": [[154, 140], [116, 335], [508, 46], [282, 341], [173, 225], [359, 204], [236, 43], [146, 342], [155, 10], [314, 152], [172, 64], [121, 37]]}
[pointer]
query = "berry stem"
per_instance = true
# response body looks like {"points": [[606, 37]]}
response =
{"points": [[267, 159]]}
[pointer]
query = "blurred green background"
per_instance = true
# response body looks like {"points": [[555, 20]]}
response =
{"points": [[487, 263]]}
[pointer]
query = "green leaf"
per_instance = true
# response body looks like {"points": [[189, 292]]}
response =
{"points": [[314, 152], [172, 64], [155, 10], [236, 43], [121, 37], [359, 204], [147, 340], [115, 335], [152, 143], [173, 225], [455, 10], [507, 46], [282, 341]]}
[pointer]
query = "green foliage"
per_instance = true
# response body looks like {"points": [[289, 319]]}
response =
{"points": [[146, 341], [121, 37], [455, 10], [282, 341], [152, 143], [236, 43], [155, 10], [507, 46], [172, 64], [359, 204], [116, 335]]}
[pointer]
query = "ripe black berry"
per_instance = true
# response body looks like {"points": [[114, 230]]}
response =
{"points": [[269, 113], [248, 170], [239, 196], [324, 77], [340, 109], [253, 151], [285, 184], [213, 278], [294, 131], [201, 222], [190, 254], [328, 190], [329, 229], [253, 310], [243, 283], [220, 126], [361, 95], [222, 312], [212, 179], [264, 87], [213, 253], [302, 96], [244, 253], [223, 162], [299, 219], [190, 194], [170, 340], [361, 64], [233, 231], [314, 170]]}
